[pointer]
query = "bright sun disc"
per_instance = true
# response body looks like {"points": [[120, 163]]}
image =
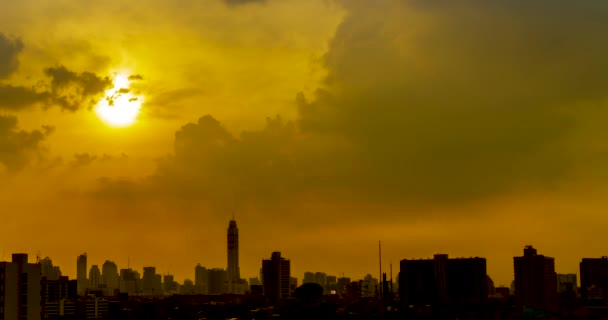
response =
{"points": [[119, 107]]}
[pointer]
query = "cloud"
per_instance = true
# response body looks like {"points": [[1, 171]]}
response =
{"points": [[242, 2], [18, 148], [74, 90], [9, 52], [83, 159], [424, 102], [20, 97]]}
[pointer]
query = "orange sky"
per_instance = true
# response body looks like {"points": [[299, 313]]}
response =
{"points": [[471, 128]]}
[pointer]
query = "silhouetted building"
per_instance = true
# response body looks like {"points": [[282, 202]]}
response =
{"points": [[254, 282], [169, 284], [110, 276], [187, 287], [233, 274], [369, 286], [128, 281], [217, 281], [443, 281], [293, 285], [594, 278], [55, 290], [332, 284], [276, 271], [81, 273], [342, 286], [152, 284], [48, 270], [201, 278], [20, 289], [309, 277], [9, 275], [94, 277], [535, 280], [567, 283]]}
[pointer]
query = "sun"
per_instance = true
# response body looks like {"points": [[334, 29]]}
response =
{"points": [[120, 106]]}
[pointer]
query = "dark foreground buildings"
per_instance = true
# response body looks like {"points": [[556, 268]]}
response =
{"points": [[443, 281], [594, 279]]}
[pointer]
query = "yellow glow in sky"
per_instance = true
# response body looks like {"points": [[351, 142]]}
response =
{"points": [[120, 106]]}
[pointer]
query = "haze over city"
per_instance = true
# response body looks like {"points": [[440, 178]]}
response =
{"points": [[134, 131]]}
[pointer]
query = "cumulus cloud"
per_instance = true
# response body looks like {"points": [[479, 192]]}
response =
{"points": [[9, 52], [18, 148], [62, 87], [74, 90], [424, 101]]}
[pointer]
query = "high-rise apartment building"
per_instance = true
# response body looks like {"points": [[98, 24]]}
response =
{"points": [[217, 281], [201, 279], [535, 280], [94, 277], [233, 273], [594, 278], [276, 274], [152, 282], [110, 276], [81, 273], [20, 290], [445, 281], [128, 281]]}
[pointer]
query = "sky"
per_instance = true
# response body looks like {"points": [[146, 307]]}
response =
{"points": [[133, 131]]}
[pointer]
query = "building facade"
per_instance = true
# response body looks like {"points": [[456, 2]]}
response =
{"points": [[594, 278], [443, 281], [276, 276], [81, 273], [535, 280]]}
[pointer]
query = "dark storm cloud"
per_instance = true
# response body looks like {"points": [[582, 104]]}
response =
{"points": [[9, 52], [424, 100], [18, 147]]}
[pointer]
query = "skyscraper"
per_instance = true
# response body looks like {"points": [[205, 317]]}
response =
{"points": [[81, 273], [94, 277], [276, 275], [233, 273], [535, 280], [109, 276]]}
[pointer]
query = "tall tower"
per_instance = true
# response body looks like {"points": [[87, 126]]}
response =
{"points": [[81, 274], [233, 272]]}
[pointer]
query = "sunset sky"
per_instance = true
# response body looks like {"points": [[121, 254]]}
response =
{"points": [[133, 130]]}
